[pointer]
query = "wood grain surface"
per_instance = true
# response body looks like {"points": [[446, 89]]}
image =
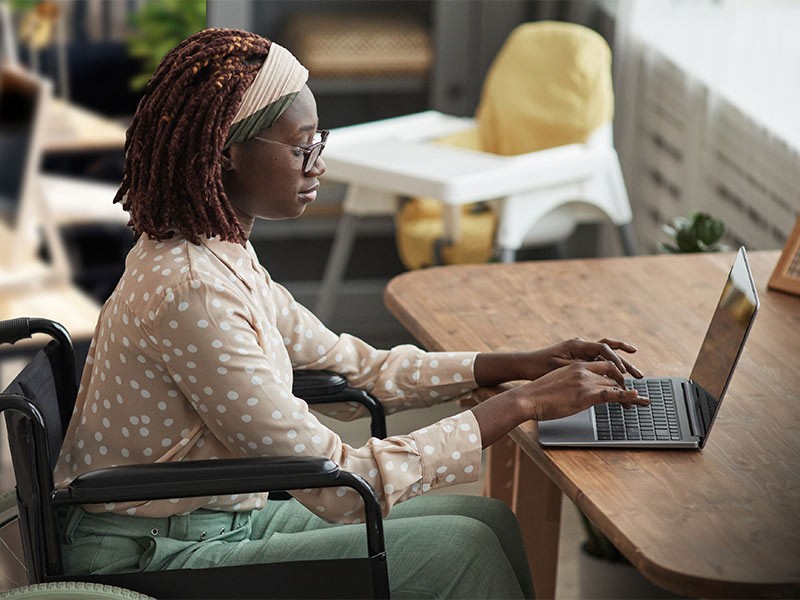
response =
{"points": [[722, 522], [70, 128], [64, 303]]}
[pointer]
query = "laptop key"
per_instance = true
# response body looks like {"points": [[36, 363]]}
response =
{"points": [[658, 421]]}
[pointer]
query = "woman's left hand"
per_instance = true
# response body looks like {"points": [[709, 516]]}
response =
{"points": [[493, 368], [574, 350]]}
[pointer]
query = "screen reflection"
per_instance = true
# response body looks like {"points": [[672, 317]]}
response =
{"points": [[725, 336]]}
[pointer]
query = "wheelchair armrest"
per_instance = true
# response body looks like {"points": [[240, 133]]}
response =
{"points": [[327, 387], [221, 476], [198, 478], [309, 384]]}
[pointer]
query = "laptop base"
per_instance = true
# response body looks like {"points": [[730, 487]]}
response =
{"points": [[580, 430]]}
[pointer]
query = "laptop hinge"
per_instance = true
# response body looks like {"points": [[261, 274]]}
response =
{"points": [[695, 419]]}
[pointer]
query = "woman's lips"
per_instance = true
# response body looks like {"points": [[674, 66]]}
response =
{"points": [[309, 195]]}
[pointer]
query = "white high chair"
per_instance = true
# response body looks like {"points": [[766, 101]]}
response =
{"points": [[540, 195]]}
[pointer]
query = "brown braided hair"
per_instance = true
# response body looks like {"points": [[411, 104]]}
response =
{"points": [[173, 177]]}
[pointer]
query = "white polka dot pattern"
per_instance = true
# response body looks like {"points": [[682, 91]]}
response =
{"points": [[192, 359]]}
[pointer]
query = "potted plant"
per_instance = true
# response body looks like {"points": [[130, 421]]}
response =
{"points": [[700, 232]]}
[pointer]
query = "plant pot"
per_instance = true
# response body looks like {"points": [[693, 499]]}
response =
{"points": [[604, 579]]}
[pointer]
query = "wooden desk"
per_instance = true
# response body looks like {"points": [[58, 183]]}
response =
{"points": [[62, 302], [70, 128], [721, 522]]}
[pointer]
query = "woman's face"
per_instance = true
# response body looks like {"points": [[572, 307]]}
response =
{"points": [[266, 181]]}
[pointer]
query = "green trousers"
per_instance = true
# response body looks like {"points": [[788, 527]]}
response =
{"points": [[437, 546]]}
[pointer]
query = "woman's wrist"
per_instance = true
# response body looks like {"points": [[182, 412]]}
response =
{"points": [[501, 413], [494, 368], [523, 403]]}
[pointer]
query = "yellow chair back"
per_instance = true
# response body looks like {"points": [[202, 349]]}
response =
{"points": [[549, 85]]}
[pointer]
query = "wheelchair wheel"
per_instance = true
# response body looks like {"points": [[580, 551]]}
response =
{"points": [[72, 590]]}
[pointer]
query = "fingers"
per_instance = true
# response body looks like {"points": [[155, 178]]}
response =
{"points": [[619, 345], [616, 391], [627, 398], [608, 369], [606, 350], [630, 368]]}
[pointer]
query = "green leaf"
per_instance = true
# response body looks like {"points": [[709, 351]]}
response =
{"points": [[712, 232], [159, 26], [686, 240], [22, 5]]}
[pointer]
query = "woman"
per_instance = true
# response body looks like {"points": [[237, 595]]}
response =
{"points": [[193, 354]]}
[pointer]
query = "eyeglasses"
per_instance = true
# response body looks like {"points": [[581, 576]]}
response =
{"points": [[310, 153]]}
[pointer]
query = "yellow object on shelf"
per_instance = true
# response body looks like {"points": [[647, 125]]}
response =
{"points": [[359, 45], [37, 28]]}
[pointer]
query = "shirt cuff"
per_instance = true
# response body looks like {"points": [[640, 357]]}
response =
{"points": [[451, 371], [450, 451]]}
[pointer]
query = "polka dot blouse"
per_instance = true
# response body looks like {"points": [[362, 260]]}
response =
{"points": [[192, 359]]}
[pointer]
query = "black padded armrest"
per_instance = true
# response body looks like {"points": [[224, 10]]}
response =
{"points": [[327, 387], [309, 384], [198, 478]]}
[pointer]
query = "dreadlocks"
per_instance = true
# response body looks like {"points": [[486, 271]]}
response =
{"points": [[173, 177]]}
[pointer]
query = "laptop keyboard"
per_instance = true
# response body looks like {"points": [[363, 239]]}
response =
{"points": [[658, 421]]}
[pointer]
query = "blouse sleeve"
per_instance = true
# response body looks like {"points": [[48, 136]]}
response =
{"points": [[231, 369], [401, 378]]}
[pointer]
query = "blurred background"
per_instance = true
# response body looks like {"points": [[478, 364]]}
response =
{"points": [[705, 120], [705, 115]]}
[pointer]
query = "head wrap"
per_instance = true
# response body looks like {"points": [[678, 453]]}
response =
{"points": [[275, 87]]}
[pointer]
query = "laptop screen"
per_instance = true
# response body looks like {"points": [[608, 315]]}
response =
{"points": [[17, 115], [725, 337], [25, 224]]}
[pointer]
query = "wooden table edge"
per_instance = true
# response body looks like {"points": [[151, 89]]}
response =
{"points": [[669, 579]]}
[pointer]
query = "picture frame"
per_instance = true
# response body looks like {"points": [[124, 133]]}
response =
{"points": [[786, 276]]}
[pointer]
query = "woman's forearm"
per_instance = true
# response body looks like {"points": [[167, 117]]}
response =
{"points": [[500, 414], [494, 368]]}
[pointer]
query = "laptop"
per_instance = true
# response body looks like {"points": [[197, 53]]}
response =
{"points": [[25, 223], [682, 411]]}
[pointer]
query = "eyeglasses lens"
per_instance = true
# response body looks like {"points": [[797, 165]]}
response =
{"points": [[312, 157]]}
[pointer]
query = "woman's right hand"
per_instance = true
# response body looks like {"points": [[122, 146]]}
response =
{"points": [[575, 387], [560, 393]]}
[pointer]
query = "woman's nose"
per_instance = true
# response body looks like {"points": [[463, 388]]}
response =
{"points": [[319, 168]]}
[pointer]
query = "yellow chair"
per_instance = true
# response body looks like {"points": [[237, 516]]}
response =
{"points": [[539, 152], [550, 85]]}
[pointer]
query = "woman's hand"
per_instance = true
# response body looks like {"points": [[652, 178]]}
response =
{"points": [[494, 368], [562, 392], [575, 387], [570, 351]]}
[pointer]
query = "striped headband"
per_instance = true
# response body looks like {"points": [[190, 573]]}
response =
{"points": [[277, 84]]}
